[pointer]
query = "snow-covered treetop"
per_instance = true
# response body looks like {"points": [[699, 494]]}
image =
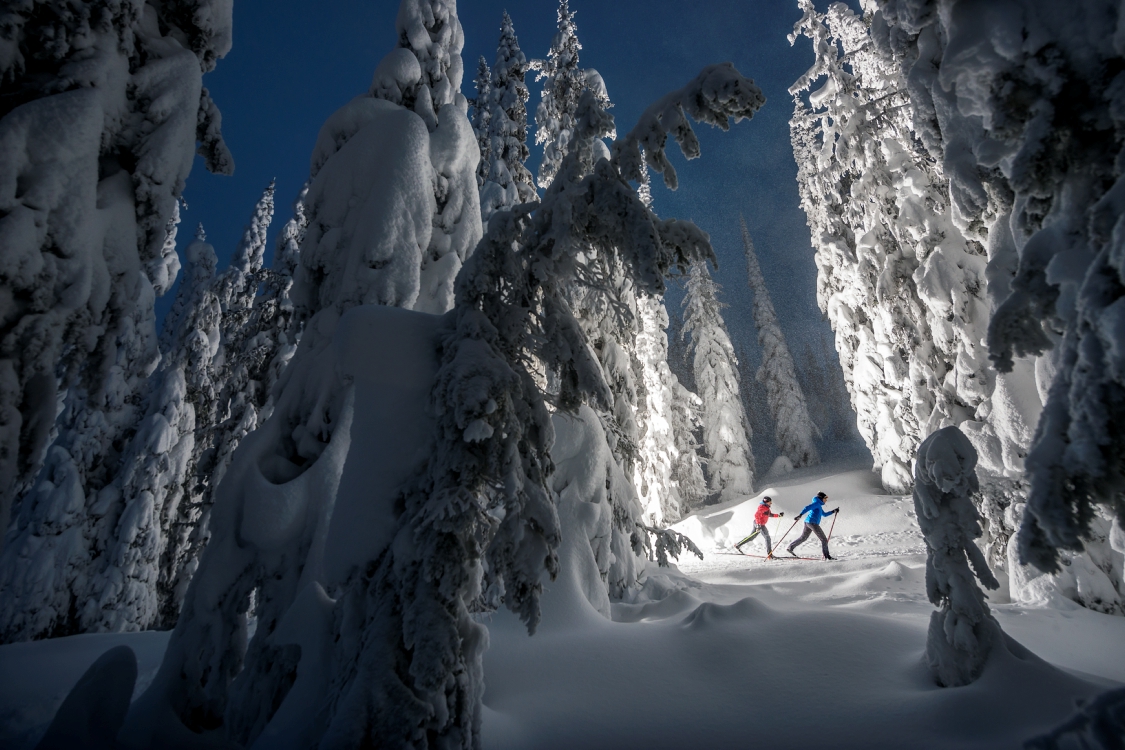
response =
{"points": [[431, 30], [251, 249], [510, 59], [563, 84], [507, 180]]}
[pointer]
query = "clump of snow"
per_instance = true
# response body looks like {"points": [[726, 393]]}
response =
{"points": [[780, 467], [369, 209]]}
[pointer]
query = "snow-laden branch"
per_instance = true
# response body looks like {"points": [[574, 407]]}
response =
{"points": [[717, 95]]}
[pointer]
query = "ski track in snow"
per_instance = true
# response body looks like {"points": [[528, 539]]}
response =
{"points": [[788, 653]]}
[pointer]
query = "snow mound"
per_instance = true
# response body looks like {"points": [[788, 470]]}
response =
{"points": [[710, 615], [95, 709]]}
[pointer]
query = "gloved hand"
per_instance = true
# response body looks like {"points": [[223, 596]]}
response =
{"points": [[836, 510], [782, 513]]}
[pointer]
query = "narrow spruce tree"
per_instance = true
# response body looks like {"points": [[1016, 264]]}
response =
{"points": [[792, 426], [482, 113], [563, 83], [726, 431], [155, 487], [507, 181]]}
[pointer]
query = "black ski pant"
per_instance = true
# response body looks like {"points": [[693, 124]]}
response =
{"points": [[812, 528]]}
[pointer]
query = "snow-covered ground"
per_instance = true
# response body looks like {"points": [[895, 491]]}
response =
{"points": [[782, 654]]}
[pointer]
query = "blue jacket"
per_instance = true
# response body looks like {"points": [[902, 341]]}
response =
{"points": [[816, 511]]}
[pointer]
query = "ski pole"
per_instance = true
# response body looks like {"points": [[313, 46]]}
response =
{"points": [[779, 541], [833, 526]]}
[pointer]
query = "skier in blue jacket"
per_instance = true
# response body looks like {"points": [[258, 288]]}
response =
{"points": [[816, 512]]}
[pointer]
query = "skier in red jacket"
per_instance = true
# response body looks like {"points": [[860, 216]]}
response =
{"points": [[761, 517]]}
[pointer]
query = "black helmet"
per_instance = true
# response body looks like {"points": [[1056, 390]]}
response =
{"points": [[767, 499], [821, 495]]}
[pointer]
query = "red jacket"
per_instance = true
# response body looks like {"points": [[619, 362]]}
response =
{"points": [[763, 515]]}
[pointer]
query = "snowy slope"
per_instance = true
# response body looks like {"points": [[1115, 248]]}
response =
{"points": [[731, 649], [790, 653]]}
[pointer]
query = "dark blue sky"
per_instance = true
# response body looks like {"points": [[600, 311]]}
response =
{"points": [[293, 64]]}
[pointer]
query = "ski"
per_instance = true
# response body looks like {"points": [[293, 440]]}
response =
{"points": [[775, 557]]}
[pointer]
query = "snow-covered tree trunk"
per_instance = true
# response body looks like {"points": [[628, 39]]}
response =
{"points": [[507, 181], [962, 632], [726, 438], [84, 235], [794, 430]]}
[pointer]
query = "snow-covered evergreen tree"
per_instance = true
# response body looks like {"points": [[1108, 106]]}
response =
{"points": [[903, 287], [224, 412], [726, 438], [422, 75], [657, 451], [1012, 187], [563, 84], [687, 471], [1048, 192], [274, 319], [792, 426], [156, 488], [482, 113], [962, 632], [395, 657], [508, 181], [86, 206], [55, 537], [99, 571]]}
